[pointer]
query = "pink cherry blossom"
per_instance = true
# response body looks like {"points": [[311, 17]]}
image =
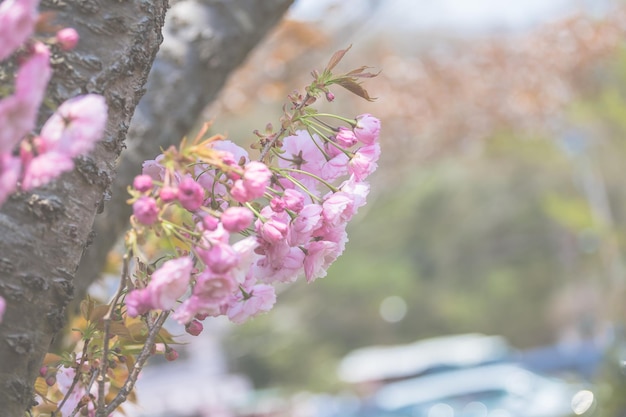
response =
{"points": [[363, 163], [271, 269], [18, 112], [358, 190], [219, 257], [338, 208], [154, 169], [302, 153], [145, 210], [294, 200], [236, 219], [335, 167], [169, 282], [367, 129], [273, 229], [194, 306], [17, 23], [44, 168], [303, 226], [320, 255], [3, 306], [10, 168], [261, 299], [76, 125], [213, 288], [190, 194], [238, 153], [138, 302], [256, 178], [245, 249]]}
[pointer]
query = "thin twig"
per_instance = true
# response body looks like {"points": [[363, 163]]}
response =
{"points": [[141, 360], [283, 129], [104, 361]]}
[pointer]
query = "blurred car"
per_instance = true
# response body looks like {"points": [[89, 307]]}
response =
{"points": [[499, 390]]}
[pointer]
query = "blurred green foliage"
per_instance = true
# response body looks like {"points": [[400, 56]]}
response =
{"points": [[476, 242]]}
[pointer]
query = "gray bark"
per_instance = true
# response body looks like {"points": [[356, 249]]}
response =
{"points": [[43, 233], [204, 41]]}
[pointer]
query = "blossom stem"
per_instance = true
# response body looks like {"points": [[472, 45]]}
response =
{"points": [[128, 386], [351, 122], [104, 360], [283, 129], [326, 183]]}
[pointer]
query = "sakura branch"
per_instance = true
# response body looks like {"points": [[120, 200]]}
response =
{"points": [[214, 231]]}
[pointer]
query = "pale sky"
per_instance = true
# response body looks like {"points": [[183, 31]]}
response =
{"points": [[456, 15]]}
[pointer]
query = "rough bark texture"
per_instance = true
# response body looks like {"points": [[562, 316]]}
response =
{"points": [[43, 234], [204, 41]]}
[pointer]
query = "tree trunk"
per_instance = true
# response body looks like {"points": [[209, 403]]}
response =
{"points": [[204, 41], [44, 233]]}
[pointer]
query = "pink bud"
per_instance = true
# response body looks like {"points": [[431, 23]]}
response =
{"points": [[210, 223], [346, 137], [51, 380], [142, 183], [171, 354], [168, 194], [190, 194], [236, 219], [277, 205], [330, 96], [43, 371], [67, 38], [194, 328], [145, 210]]}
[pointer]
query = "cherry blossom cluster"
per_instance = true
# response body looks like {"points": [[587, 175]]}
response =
{"points": [[240, 226], [29, 160]]}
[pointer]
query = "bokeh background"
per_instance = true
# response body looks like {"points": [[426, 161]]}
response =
{"points": [[499, 206]]}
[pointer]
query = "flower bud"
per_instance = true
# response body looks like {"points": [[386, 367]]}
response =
{"points": [[51, 380], [168, 194], [171, 354], [142, 183], [190, 194], [67, 38], [330, 96], [43, 371], [194, 328], [210, 223], [145, 210], [236, 219]]}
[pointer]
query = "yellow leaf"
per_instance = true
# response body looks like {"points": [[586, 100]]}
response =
{"points": [[40, 386], [98, 313], [51, 359], [119, 329]]}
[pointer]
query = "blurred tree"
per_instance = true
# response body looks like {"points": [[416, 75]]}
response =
{"points": [[481, 222]]}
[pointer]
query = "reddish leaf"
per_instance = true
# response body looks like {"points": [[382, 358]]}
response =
{"points": [[337, 56]]}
